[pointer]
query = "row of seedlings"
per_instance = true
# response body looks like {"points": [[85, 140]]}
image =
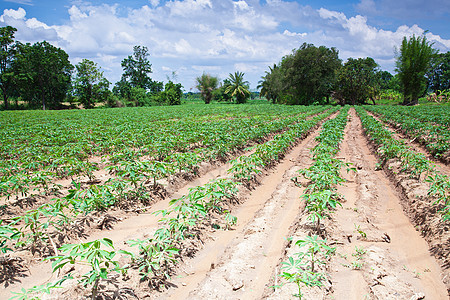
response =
{"points": [[415, 164], [181, 225], [43, 228], [305, 268]]}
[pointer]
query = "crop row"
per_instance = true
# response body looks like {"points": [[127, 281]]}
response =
{"points": [[412, 163], [436, 114], [180, 222], [434, 136], [172, 147], [321, 197]]}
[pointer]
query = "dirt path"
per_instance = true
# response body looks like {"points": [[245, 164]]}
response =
{"points": [[396, 262], [239, 263]]}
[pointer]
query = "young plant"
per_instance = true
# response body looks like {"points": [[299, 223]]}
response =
{"points": [[101, 262], [302, 269], [156, 256]]}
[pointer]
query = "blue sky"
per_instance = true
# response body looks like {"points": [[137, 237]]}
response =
{"points": [[189, 37]]}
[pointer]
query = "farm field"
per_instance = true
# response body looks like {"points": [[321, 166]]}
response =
{"points": [[225, 202]]}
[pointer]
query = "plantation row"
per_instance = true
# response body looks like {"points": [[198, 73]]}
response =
{"points": [[138, 144], [413, 163], [180, 223], [50, 229], [430, 125], [321, 198]]}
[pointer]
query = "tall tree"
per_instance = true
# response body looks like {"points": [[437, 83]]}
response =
{"points": [[6, 58], [206, 84], [220, 95], [172, 93], [89, 84], [271, 84], [238, 87], [43, 73], [308, 74], [413, 62], [136, 68], [439, 75], [356, 81]]}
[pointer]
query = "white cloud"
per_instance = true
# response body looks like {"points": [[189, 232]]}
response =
{"points": [[293, 34], [18, 14], [154, 2], [216, 36]]}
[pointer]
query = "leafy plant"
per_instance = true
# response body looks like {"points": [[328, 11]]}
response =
{"points": [[101, 262], [303, 268]]}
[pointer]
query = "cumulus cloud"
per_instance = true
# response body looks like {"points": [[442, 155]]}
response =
{"points": [[215, 36]]}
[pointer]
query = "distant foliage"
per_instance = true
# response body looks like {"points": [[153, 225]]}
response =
{"points": [[304, 77], [207, 84], [42, 74], [357, 81], [237, 87], [413, 62], [89, 84], [439, 74]]}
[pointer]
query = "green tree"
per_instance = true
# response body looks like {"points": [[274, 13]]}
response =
{"points": [[220, 95], [356, 81], [172, 93], [271, 84], [308, 74], [413, 62], [383, 79], [89, 84], [43, 74], [136, 68], [6, 58], [206, 84], [122, 89], [238, 87], [439, 75]]}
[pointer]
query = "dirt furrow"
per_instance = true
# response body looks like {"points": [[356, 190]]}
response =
{"points": [[238, 264], [378, 248], [137, 226]]}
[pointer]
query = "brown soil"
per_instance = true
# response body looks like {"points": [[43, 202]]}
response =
{"points": [[244, 263], [397, 263]]}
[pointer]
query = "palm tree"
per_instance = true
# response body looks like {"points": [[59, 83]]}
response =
{"points": [[238, 87], [206, 84]]}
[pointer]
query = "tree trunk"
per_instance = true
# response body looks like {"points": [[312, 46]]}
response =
{"points": [[43, 101], [5, 100]]}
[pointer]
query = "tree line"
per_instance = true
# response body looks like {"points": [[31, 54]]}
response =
{"points": [[313, 75], [41, 75]]}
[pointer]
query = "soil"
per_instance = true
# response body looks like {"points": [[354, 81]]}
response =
{"points": [[385, 215]]}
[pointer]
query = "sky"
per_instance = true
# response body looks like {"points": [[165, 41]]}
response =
{"points": [[186, 38]]}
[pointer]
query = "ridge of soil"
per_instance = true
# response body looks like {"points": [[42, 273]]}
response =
{"points": [[422, 213], [396, 264]]}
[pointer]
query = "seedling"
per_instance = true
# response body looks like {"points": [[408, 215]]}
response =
{"points": [[101, 261], [360, 231], [302, 269]]}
